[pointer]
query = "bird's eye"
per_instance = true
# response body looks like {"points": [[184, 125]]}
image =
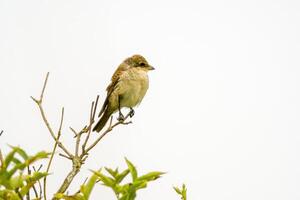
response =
{"points": [[142, 64]]}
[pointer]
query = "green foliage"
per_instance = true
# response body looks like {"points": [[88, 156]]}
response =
{"points": [[85, 190], [15, 183], [181, 192], [113, 180], [126, 191]]}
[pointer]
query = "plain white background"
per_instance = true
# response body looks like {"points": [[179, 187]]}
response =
{"points": [[222, 111]]}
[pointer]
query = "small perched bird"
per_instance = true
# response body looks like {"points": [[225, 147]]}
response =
{"points": [[128, 87]]}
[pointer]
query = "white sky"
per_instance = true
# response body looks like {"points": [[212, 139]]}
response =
{"points": [[222, 111]]}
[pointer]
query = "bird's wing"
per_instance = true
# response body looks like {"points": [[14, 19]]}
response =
{"points": [[111, 87]]}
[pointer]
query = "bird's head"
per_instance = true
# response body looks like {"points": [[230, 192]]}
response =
{"points": [[140, 62]]}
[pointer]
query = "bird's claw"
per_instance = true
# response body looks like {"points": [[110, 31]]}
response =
{"points": [[121, 117], [131, 113]]}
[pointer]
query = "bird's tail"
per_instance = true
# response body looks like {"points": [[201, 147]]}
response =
{"points": [[101, 123]]}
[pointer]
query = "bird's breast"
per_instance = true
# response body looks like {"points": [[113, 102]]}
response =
{"points": [[133, 87]]}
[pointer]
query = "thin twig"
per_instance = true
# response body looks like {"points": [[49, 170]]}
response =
{"points": [[53, 151], [78, 142], [28, 193], [109, 129], [39, 182], [40, 167], [39, 103], [75, 133], [34, 188], [92, 119], [51, 131], [63, 155], [44, 87]]}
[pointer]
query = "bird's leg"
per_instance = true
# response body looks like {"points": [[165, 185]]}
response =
{"points": [[121, 116], [131, 112]]}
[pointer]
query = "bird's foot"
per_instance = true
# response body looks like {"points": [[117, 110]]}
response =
{"points": [[131, 113], [121, 117]]}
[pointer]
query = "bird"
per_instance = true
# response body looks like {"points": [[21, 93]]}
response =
{"points": [[127, 88]]}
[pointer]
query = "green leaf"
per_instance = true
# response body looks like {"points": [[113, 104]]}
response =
{"points": [[184, 189], [126, 191], [151, 176], [31, 180], [30, 160], [132, 169], [40, 155], [66, 197], [121, 176], [16, 182], [20, 167], [139, 184], [177, 190], [21, 152], [88, 187], [8, 158], [105, 180], [129, 192], [113, 173], [10, 173], [36, 176], [59, 195], [8, 195], [16, 161], [181, 192], [4, 181]]}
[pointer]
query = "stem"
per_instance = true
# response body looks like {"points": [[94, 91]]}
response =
{"points": [[68, 180], [53, 151]]}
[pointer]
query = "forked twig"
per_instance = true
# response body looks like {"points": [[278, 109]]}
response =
{"points": [[109, 129], [92, 119], [39, 183], [53, 152], [39, 103]]}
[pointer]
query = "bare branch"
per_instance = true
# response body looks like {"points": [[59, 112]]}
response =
{"points": [[40, 167], [39, 103], [92, 119], [53, 151], [63, 155], [75, 133], [75, 169], [78, 142], [109, 129], [43, 90]]}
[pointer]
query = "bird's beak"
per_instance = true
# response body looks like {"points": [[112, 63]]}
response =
{"points": [[151, 68]]}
